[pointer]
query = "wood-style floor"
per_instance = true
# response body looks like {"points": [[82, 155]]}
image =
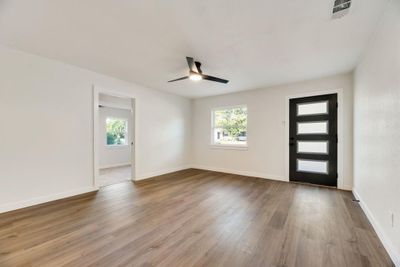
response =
{"points": [[114, 175], [194, 218]]}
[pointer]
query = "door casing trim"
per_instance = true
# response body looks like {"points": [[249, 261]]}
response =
{"points": [[97, 90]]}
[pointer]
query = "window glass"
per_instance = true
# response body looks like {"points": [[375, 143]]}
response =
{"points": [[313, 166], [318, 147], [230, 126], [317, 108], [117, 131], [320, 127]]}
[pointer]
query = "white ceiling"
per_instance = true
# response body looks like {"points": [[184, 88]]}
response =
{"points": [[254, 44]]}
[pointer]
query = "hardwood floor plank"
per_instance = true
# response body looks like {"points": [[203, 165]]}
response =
{"points": [[194, 218]]}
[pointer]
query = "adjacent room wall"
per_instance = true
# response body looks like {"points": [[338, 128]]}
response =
{"points": [[113, 156], [377, 130], [47, 129], [267, 144]]}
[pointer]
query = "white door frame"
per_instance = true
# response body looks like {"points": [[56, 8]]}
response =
{"points": [[340, 120], [96, 93]]}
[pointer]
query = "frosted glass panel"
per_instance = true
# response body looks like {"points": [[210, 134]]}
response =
{"points": [[314, 108], [320, 127], [318, 147], [314, 166]]}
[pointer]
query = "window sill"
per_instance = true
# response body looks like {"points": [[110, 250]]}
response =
{"points": [[229, 147], [116, 146]]}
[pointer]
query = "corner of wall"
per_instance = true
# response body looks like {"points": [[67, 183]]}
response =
{"points": [[394, 255]]}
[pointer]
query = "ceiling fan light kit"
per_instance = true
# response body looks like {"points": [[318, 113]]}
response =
{"points": [[196, 74], [195, 77]]}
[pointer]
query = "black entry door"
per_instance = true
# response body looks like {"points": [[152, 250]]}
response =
{"points": [[313, 140]]}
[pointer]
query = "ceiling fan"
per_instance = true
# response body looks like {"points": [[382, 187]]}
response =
{"points": [[195, 73]]}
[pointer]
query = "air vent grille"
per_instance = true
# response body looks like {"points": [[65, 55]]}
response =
{"points": [[341, 8]]}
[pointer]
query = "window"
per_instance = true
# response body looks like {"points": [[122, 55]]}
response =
{"points": [[229, 126], [117, 131]]}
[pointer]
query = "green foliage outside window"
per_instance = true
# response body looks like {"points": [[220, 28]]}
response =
{"points": [[232, 122], [116, 131]]}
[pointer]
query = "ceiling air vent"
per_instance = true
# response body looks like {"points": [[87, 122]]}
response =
{"points": [[341, 8]]}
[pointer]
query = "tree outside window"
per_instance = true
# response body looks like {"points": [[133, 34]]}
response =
{"points": [[230, 126], [117, 131]]}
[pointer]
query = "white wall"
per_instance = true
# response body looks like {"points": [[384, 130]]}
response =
{"points": [[46, 138], [267, 144], [112, 156], [377, 130]]}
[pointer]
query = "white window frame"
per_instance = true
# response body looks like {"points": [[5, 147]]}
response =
{"points": [[126, 131], [229, 146]]}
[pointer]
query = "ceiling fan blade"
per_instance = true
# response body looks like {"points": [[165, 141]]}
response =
{"points": [[198, 66], [214, 79], [179, 79], [191, 64]]}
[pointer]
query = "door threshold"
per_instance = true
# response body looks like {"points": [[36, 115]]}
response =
{"points": [[315, 185]]}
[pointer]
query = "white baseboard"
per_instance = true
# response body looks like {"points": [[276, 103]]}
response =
{"points": [[157, 173], [345, 188], [244, 173], [394, 255], [115, 165], [41, 200]]}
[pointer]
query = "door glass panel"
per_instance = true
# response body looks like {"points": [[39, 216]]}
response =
{"points": [[313, 166], [314, 147], [314, 108], [319, 127]]}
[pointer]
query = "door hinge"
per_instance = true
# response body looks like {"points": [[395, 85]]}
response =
{"points": [[337, 175], [337, 104]]}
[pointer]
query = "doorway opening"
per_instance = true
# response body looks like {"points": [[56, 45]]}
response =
{"points": [[313, 140], [114, 138]]}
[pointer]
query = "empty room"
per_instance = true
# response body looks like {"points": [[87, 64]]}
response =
{"points": [[200, 133]]}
